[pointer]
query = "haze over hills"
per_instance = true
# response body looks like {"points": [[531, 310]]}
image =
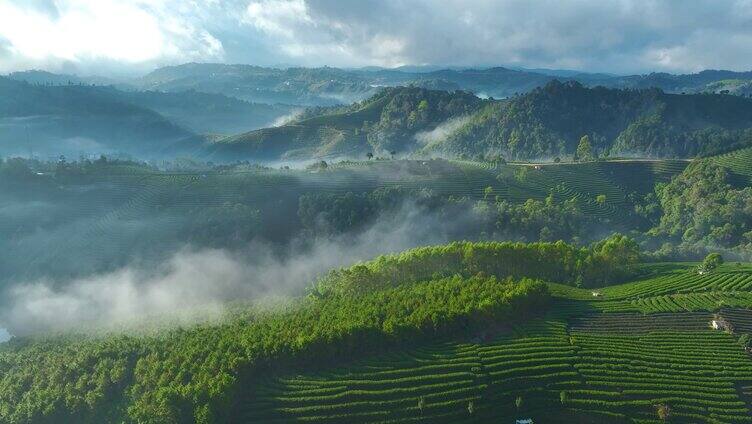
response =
{"points": [[325, 86], [73, 117]]}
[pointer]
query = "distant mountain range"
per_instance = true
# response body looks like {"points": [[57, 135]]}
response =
{"points": [[332, 86]]}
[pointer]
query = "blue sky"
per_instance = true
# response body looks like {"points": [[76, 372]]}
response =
{"points": [[619, 36]]}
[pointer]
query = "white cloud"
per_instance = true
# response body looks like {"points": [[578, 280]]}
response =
{"points": [[81, 31]]}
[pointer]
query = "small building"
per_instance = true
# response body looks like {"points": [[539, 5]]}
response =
{"points": [[524, 421], [597, 294], [537, 167], [720, 324]]}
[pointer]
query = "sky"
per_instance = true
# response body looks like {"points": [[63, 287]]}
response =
{"points": [[136, 36]]}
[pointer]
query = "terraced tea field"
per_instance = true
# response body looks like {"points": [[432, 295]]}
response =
{"points": [[739, 162], [612, 358]]}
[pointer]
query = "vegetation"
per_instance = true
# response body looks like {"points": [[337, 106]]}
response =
{"points": [[702, 206], [187, 375]]}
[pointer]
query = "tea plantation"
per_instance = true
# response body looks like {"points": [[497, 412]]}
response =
{"points": [[622, 354]]}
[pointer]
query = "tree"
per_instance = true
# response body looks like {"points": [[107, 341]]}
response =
{"points": [[601, 199], [584, 150], [664, 411], [518, 402], [487, 192], [369, 155], [557, 159], [393, 153], [745, 341], [712, 261]]}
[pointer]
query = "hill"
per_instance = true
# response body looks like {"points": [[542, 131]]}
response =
{"points": [[714, 81], [456, 333], [75, 119], [299, 86], [328, 86], [548, 122], [388, 121], [68, 118], [205, 113]]}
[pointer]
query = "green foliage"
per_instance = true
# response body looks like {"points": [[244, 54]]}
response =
{"points": [[190, 375], [701, 206], [606, 262], [712, 261], [550, 121], [745, 341], [584, 150]]}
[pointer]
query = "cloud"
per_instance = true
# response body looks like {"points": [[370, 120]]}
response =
{"points": [[111, 32], [620, 36]]}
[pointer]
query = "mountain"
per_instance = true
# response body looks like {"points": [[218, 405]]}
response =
{"points": [[714, 81], [78, 119], [386, 122], [299, 86], [40, 77], [550, 121], [331, 86], [61, 116], [547, 122]]}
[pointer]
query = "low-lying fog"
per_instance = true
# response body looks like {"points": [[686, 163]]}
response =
{"points": [[194, 283]]}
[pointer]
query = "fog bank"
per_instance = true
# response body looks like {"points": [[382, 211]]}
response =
{"points": [[196, 284]]}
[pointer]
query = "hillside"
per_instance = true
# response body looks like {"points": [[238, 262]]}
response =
{"points": [[388, 121], [55, 118], [205, 113], [75, 119], [548, 122], [455, 333]]}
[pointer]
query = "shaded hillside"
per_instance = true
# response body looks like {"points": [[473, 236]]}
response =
{"points": [[550, 121], [74, 119], [209, 113], [386, 122]]}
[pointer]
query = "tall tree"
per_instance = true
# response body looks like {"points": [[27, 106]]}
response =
{"points": [[584, 149]]}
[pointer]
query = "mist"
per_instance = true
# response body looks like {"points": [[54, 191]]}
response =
{"points": [[442, 131], [286, 119], [194, 285]]}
